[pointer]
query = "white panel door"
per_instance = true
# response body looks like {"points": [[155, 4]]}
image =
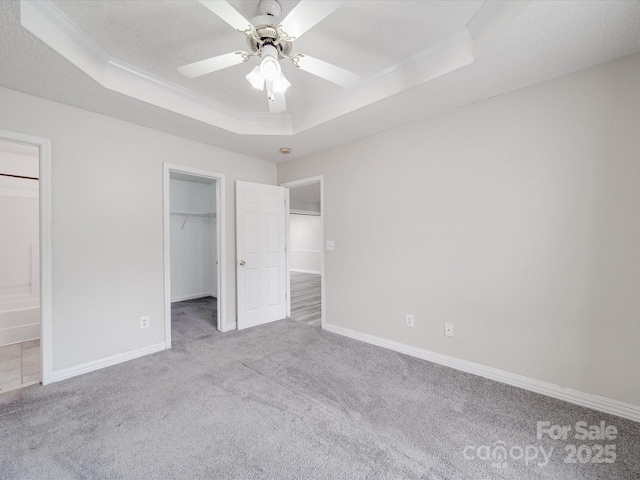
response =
{"points": [[261, 257]]}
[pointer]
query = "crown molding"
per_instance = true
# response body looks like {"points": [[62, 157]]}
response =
{"points": [[45, 20], [450, 54]]}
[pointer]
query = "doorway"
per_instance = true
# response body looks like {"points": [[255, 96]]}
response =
{"points": [[193, 238], [305, 259], [25, 261]]}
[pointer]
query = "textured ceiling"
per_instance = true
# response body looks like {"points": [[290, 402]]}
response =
{"points": [[160, 36], [546, 40]]}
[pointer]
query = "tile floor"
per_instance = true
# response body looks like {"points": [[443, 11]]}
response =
{"points": [[19, 364]]}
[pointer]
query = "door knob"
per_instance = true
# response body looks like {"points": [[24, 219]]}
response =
{"points": [[242, 263]]}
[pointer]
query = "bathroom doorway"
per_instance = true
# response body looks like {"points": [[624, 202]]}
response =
{"points": [[25, 261]]}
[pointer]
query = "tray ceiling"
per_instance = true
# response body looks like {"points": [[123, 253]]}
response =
{"points": [[416, 58]]}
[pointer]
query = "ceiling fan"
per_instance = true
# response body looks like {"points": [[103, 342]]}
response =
{"points": [[271, 40]]}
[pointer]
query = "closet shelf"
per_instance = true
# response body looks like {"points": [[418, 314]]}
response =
{"points": [[189, 214], [186, 216]]}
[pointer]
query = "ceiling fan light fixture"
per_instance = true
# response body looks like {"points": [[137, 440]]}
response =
{"points": [[269, 66], [272, 39], [255, 78], [281, 84]]}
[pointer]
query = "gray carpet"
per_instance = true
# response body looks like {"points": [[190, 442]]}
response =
{"points": [[193, 319], [288, 401]]}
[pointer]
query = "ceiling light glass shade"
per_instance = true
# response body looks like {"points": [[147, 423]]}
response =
{"points": [[256, 79], [269, 66], [281, 84]]}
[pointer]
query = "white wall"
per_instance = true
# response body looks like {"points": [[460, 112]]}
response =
{"points": [[515, 218], [193, 240], [305, 237], [19, 241], [107, 211]]}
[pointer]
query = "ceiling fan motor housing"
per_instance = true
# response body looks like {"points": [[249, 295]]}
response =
{"points": [[266, 26], [270, 7], [268, 35]]}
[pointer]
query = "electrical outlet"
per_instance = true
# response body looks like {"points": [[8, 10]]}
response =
{"points": [[144, 322], [330, 245], [409, 320], [448, 329]]}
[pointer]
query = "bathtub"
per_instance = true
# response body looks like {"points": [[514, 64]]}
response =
{"points": [[19, 322]]}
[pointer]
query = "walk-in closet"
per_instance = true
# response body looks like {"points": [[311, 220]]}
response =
{"points": [[194, 257]]}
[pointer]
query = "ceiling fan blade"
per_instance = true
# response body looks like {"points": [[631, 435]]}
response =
{"points": [[227, 13], [306, 14], [209, 65], [330, 72], [278, 104]]}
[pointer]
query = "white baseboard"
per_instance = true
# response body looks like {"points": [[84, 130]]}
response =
{"points": [[19, 334], [304, 271], [106, 362], [193, 297], [228, 326], [595, 402]]}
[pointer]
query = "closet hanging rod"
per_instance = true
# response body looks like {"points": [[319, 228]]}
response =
{"points": [[186, 216], [18, 176]]}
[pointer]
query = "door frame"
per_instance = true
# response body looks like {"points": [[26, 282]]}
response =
{"points": [[46, 278], [221, 271], [299, 183]]}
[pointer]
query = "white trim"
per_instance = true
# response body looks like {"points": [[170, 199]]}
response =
{"points": [[193, 297], [287, 226], [83, 368], [595, 402], [221, 271], [46, 278], [46, 21], [299, 270], [300, 183]]}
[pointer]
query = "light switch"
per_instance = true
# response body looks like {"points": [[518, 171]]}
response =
{"points": [[330, 245]]}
